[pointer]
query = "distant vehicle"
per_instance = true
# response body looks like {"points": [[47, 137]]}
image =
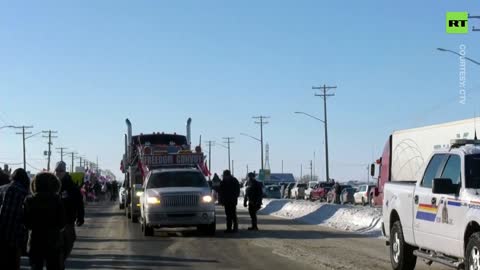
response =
{"points": [[347, 196], [362, 196], [272, 192], [321, 191], [331, 194], [311, 186], [436, 218], [177, 198], [406, 152], [298, 191], [122, 194]]}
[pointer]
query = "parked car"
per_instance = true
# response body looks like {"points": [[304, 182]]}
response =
{"points": [[122, 194], [272, 192], [321, 191], [347, 196], [298, 191], [311, 186], [362, 196], [331, 193], [288, 190]]}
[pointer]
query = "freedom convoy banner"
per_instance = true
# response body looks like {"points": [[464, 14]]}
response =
{"points": [[178, 159]]}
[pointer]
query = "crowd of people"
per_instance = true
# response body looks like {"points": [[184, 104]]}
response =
{"points": [[228, 191], [95, 191], [38, 218]]}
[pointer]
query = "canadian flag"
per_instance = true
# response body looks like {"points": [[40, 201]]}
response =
{"points": [[205, 169]]}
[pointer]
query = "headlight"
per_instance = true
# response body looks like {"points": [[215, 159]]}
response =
{"points": [[207, 199], [153, 200], [139, 193]]}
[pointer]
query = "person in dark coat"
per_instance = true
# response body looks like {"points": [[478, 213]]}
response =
{"points": [[4, 178], [12, 231], [45, 219], [216, 186], [229, 192], [74, 209], [113, 198], [253, 196], [338, 191]]}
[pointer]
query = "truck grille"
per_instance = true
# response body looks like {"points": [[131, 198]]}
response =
{"points": [[180, 200]]}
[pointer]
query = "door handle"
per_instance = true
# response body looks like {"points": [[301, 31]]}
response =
{"points": [[434, 201], [416, 199]]}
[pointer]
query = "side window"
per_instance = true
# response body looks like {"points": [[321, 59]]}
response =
{"points": [[452, 169], [432, 170]]}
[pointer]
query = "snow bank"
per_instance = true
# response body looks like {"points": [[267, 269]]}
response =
{"points": [[349, 218]]}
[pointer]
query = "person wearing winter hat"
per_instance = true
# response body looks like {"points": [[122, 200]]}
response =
{"points": [[73, 203]]}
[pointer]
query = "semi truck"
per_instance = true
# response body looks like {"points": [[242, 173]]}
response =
{"points": [[146, 152], [406, 152]]}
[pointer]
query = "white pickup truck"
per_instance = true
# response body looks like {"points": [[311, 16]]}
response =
{"points": [[437, 217]]}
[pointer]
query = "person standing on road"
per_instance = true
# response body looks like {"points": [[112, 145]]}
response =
{"points": [[12, 231], [74, 208], [114, 191], [338, 191], [45, 218], [229, 192], [253, 196]]}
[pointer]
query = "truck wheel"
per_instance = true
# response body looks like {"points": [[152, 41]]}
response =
{"points": [[147, 230], [401, 253], [472, 253]]}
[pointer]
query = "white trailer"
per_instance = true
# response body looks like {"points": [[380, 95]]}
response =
{"points": [[411, 148]]}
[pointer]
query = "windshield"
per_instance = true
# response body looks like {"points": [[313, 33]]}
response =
{"points": [[472, 171], [176, 179]]}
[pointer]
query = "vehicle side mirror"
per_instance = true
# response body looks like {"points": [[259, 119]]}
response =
{"points": [[372, 169], [444, 186]]}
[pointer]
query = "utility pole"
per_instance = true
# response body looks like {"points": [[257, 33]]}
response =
{"points": [[301, 171], [282, 165], [61, 151], [233, 167], [228, 142], [72, 168], [247, 169], [261, 122], [49, 132], [23, 133], [210, 143], [311, 171], [314, 171], [324, 95]]}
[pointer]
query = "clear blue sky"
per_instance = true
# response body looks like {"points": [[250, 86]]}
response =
{"points": [[82, 68]]}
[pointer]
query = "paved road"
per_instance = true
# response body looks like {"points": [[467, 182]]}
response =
{"points": [[109, 241]]}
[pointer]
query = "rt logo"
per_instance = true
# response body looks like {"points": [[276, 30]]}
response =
{"points": [[457, 22]]}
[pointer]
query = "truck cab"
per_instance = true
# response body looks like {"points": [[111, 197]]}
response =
{"points": [[437, 217], [177, 197]]}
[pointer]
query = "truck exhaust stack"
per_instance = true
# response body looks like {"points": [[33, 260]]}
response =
{"points": [[189, 132], [129, 136]]}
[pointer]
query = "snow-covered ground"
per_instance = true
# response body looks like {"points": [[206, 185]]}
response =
{"points": [[359, 219]]}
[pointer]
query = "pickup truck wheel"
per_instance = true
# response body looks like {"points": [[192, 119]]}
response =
{"points": [[401, 253], [472, 254], [147, 230]]}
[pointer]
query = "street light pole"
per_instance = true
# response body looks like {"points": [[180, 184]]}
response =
{"points": [[456, 53]]}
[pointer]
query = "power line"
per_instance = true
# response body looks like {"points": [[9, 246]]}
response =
{"points": [[50, 137]]}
